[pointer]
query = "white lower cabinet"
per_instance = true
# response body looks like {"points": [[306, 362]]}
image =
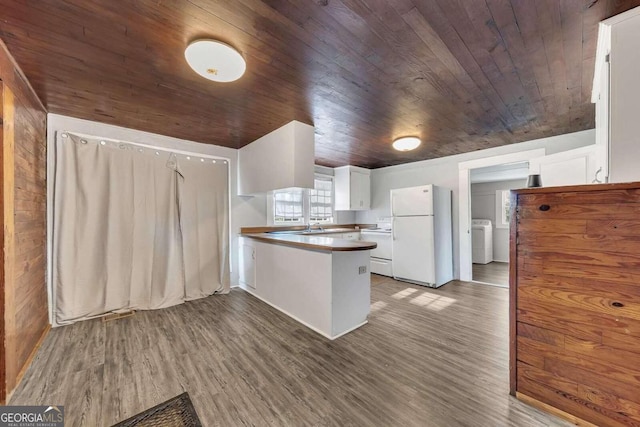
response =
{"points": [[248, 264], [382, 266]]}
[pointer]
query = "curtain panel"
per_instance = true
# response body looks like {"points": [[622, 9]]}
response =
{"points": [[135, 228]]}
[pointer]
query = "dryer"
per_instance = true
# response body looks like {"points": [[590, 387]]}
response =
{"points": [[481, 241]]}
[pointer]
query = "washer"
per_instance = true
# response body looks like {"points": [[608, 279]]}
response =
{"points": [[481, 241]]}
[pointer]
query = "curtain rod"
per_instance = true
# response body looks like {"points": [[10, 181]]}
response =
{"points": [[153, 147]]}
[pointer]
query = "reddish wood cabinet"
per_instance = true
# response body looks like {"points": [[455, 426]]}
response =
{"points": [[575, 301]]}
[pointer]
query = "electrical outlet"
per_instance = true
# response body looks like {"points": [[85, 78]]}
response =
{"points": [[362, 269]]}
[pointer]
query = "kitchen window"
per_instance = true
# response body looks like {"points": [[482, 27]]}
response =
{"points": [[300, 206], [288, 206], [321, 200]]}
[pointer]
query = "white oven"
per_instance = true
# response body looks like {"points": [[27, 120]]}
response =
{"points": [[380, 256]]}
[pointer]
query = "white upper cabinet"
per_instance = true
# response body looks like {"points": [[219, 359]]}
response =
{"points": [[281, 159], [616, 92], [573, 167], [353, 188]]}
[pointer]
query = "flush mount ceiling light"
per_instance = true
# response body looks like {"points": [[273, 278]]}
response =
{"points": [[406, 143], [215, 60]]}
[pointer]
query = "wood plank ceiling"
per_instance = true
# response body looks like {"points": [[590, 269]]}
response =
{"points": [[462, 74]]}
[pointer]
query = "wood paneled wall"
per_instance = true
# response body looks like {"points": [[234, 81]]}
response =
{"points": [[24, 198], [575, 307]]}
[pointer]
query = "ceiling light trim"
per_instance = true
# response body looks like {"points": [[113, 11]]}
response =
{"points": [[215, 60], [406, 143]]}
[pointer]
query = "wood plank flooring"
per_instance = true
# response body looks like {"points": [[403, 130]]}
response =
{"points": [[426, 358], [496, 273]]}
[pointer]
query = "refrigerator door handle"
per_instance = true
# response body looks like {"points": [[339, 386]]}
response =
{"points": [[393, 228], [392, 213]]}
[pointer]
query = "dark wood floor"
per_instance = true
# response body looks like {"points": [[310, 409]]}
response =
{"points": [[426, 358], [496, 273]]}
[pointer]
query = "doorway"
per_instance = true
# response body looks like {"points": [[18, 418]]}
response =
{"points": [[490, 190], [464, 199]]}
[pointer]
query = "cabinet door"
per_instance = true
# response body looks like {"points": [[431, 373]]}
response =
{"points": [[365, 192], [573, 167], [248, 269], [359, 191]]}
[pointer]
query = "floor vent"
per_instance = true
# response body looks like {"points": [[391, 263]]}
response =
{"points": [[116, 316]]}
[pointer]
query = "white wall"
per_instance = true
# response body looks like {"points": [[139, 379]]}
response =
{"points": [[444, 172], [625, 99], [483, 206], [245, 211]]}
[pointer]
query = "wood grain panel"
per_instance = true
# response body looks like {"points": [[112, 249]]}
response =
{"points": [[618, 227], [625, 341], [613, 196], [461, 75], [618, 260], [553, 241], [24, 211], [618, 211], [577, 321], [569, 226], [513, 293], [3, 361], [10, 342], [540, 334], [602, 352], [609, 401], [600, 273], [553, 410], [577, 313], [603, 300], [573, 404], [528, 372], [622, 381]]}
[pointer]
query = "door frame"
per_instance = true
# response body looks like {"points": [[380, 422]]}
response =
{"points": [[464, 200]]}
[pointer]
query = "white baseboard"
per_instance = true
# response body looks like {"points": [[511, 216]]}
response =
{"points": [[301, 321]]}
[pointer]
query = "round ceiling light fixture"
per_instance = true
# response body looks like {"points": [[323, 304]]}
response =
{"points": [[215, 60], [406, 143]]}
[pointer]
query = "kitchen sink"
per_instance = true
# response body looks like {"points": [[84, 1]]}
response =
{"points": [[319, 231], [304, 232]]}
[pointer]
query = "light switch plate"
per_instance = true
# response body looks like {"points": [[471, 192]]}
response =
{"points": [[362, 269]]}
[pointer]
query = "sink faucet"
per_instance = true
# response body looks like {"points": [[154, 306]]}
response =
{"points": [[309, 226]]}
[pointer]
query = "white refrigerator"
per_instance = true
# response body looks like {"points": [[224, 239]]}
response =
{"points": [[421, 238]]}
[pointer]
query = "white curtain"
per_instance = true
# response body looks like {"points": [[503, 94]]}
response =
{"points": [[135, 228], [205, 227]]}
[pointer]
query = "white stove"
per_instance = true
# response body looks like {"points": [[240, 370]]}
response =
{"points": [[380, 256]]}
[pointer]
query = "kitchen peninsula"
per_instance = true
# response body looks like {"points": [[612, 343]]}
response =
{"points": [[321, 281]]}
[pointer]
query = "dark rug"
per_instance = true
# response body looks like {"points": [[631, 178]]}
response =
{"points": [[176, 412]]}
